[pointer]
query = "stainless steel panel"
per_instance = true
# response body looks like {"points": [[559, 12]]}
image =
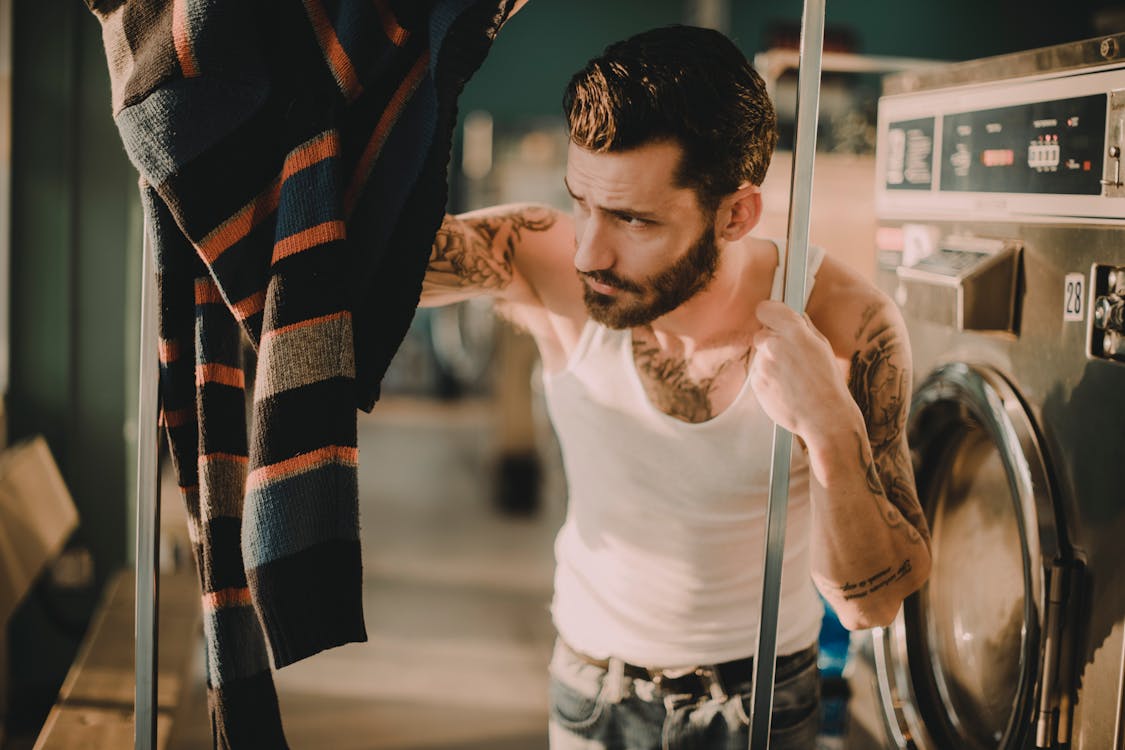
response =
{"points": [[1102, 51], [1064, 398], [963, 285]]}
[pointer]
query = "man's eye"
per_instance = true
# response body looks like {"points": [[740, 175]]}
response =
{"points": [[633, 221]]}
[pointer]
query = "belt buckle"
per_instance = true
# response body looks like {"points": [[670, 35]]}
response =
{"points": [[707, 674]]}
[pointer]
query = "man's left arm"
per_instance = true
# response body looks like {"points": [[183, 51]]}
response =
{"points": [[872, 545], [870, 542]]}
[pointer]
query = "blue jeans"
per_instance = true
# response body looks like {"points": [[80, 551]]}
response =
{"points": [[592, 709]]}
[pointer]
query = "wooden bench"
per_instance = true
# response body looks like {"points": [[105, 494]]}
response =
{"points": [[94, 710]]}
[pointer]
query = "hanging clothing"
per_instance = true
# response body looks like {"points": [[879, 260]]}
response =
{"points": [[292, 158], [659, 558]]}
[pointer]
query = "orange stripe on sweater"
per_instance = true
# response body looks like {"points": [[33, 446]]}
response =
{"points": [[177, 417], [339, 454], [313, 151], [232, 597], [181, 39], [207, 292], [391, 27], [232, 457], [318, 235], [223, 374], [306, 323], [232, 230], [342, 69], [169, 350], [238, 226], [252, 305], [389, 117]]}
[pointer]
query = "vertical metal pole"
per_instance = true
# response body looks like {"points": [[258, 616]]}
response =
{"points": [[796, 263], [1119, 720], [7, 18], [148, 509]]}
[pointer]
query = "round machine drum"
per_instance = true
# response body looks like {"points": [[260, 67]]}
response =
{"points": [[959, 667]]}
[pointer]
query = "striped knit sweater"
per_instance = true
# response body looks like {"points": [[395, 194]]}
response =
{"points": [[292, 156]]}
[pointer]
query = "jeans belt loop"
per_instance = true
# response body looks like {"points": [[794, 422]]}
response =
{"points": [[709, 674], [614, 689]]}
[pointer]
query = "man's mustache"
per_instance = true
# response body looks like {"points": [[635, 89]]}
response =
{"points": [[612, 279]]}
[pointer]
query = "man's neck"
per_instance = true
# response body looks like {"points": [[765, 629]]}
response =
{"points": [[723, 312]]}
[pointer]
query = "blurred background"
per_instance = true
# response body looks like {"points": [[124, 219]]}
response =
{"points": [[461, 488]]}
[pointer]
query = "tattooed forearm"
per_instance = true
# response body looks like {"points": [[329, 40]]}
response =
{"points": [[904, 514], [873, 584], [877, 381], [880, 385], [479, 252]]}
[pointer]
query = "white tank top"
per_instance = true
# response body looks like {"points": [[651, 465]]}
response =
{"points": [[659, 560]]}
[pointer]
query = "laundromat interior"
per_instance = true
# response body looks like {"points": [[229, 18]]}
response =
{"points": [[967, 166]]}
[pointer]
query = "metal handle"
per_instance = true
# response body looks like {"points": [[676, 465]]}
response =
{"points": [[1115, 154], [1047, 718], [795, 265], [147, 580]]}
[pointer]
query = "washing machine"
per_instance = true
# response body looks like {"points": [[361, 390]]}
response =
{"points": [[1001, 202]]}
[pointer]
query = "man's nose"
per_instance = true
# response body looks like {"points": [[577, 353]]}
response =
{"points": [[593, 251]]}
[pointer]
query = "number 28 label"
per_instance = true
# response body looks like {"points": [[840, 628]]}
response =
{"points": [[1074, 304]]}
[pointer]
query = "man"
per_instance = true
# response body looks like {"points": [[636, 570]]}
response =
{"points": [[667, 354]]}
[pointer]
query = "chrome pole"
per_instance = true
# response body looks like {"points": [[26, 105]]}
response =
{"points": [[796, 263], [147, 577]]}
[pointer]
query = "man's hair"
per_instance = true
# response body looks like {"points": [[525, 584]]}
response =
{"points": [[685, 84]]}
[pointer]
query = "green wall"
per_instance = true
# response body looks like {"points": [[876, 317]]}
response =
{"points": [[546, 42], [74, 244], [536, 53]]}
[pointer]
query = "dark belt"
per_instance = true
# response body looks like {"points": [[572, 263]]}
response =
{"points": [[704, 679]]}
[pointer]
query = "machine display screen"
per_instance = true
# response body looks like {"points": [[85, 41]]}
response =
{"points": [[1044, 147], [910, 155]]}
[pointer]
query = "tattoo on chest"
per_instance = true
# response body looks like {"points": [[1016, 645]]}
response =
{"points": [[672, 389], [479, 253]]}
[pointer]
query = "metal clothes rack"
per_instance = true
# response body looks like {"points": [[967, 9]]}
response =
{"points": [[148, 509], [796, 262]]}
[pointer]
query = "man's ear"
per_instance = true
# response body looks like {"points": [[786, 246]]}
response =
{"points": [[739, 212]]}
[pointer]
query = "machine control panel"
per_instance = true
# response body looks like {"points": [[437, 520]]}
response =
{"points": [[1044, 147], [1029, 149], [1107, 332]]}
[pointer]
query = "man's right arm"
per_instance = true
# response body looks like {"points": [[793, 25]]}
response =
{"points": [[492, 251]]}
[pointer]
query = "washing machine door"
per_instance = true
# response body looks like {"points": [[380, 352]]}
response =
{"points": [[961, 665]]}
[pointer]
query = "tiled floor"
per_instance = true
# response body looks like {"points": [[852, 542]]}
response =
{"points": [[455, 598]]}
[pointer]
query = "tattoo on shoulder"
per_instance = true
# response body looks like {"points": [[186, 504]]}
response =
{"points": [[479, 253], [868, 314]]}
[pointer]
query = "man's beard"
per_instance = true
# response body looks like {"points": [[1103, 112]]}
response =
{"points": [[638, 304]]}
